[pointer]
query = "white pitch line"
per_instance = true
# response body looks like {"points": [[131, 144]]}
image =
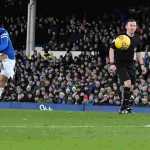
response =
{"points": [[147, 126], [47, 126], [128, 126], [74, 126]]}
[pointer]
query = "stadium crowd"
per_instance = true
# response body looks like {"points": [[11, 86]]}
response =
{"points": [[68, 79], [73, 80], [78, 32]]}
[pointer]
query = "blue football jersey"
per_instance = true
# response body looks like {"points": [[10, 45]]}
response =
{"points": [[6, 46]]}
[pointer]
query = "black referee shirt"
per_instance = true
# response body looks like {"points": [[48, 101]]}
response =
{"points": [[127, 56]]}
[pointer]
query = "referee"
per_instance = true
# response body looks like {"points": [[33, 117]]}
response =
{"points": [[122, 62]]}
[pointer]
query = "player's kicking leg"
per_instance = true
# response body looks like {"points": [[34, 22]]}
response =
{"points": [[3, 81], [7, 71]]}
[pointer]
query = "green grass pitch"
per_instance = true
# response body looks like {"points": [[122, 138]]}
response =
{"points": [[58, 130]]}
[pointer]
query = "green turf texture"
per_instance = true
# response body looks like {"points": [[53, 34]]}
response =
{"points": [[39, 130]]}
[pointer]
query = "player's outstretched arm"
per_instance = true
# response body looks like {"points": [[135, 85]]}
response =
{"points": [[3, 42]]}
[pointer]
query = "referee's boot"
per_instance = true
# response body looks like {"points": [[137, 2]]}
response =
{"points": [[123, 110], [125, 107], [128, 110], [130, 104]]}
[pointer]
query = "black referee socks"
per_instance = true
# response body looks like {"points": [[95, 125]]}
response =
{"points": [[127, 93]]}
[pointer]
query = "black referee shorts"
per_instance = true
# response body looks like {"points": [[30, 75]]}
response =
{"points": [[126, 71]]}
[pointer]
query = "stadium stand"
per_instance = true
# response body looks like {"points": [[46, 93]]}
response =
{"points": [[69, 80], [82, 79]]}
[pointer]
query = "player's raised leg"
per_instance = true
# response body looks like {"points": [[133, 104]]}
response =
{"points": [[3, 81]]}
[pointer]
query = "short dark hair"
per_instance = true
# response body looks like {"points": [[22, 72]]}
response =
{"points": [[130, 20]]}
